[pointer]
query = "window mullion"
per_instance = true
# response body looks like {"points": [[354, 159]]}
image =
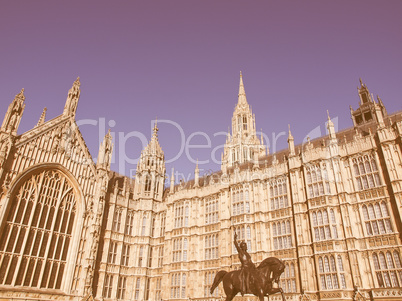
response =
{"points": [[28, 228]]}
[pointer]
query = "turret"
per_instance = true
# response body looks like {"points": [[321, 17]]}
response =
{"points": [[196, 176], [13, 115], [150, 176], [72, 99], [172, 182], [291, 143], [368, 109], [242, 145], [330, 128], [378, 113], [105, 153]]}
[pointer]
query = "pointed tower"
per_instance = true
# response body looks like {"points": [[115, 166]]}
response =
{"points": [[330, 128], [14, 113], [105, 153], [366, 112], [72, 99], [150, 176], [243, 145], [196, 176], [291, 143]]}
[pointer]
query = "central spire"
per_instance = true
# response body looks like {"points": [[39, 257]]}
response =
{"points": [[242, 100]]}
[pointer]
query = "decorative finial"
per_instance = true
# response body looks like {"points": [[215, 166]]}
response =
{"points": [[361, 82], [42, 117], [241, 74], [328, 115]]}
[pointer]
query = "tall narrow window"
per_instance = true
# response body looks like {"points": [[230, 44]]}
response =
{"points": [[137, 289], [140, 256], [144, 224], [162, 229], [117, 220], [130, 223], [37, 232], [186, 216], [107, 288], [148, 181], [112, 252], [125, 257], [121, 288]]}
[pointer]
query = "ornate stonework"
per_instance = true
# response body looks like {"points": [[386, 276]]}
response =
{"points": [[71, 229]]}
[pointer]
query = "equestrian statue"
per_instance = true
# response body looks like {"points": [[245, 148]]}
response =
{"points": [[251, 279]]}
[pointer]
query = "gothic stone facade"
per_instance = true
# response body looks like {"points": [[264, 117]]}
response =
{"points": [[71, 229]]}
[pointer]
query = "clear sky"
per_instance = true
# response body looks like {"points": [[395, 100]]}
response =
{"points": [[179, 61]]}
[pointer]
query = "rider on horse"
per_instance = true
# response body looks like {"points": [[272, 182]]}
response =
{"points": [[247, 265]]}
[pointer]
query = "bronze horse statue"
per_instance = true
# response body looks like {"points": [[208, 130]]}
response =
{"points": [[261, 281]]}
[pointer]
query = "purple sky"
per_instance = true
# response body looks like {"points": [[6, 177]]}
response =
{"points": [[180, 61]]}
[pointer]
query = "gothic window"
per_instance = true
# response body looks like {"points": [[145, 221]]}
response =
{"points": [[239, 123], [125, 257], [37, 232], [163, 220], [160, 257], [137, 289], [108, 285], [117, 220], [178, 215], [329, 272], [144, 224], [152, 227], [150, 253], [288, 279], [178, 286], [140, 256], [282, 235], [158, 289], [157, 187], [177, 249], [121, 288], [317, 180], [388, 269], [186, 215], [211, 246], [185, 245], [366, 172], [208, 280], [245, 123], [147, 184], [148, 284], [324, 228], [130, 223], [240, 201], [211, 210], [377, 219], [112, 252], [278, 194]]}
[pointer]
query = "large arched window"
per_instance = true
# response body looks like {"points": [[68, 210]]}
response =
{"points": [[37, 232]]}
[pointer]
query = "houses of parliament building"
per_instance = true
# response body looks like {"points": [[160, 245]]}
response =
{"points": [[72, 229]]}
